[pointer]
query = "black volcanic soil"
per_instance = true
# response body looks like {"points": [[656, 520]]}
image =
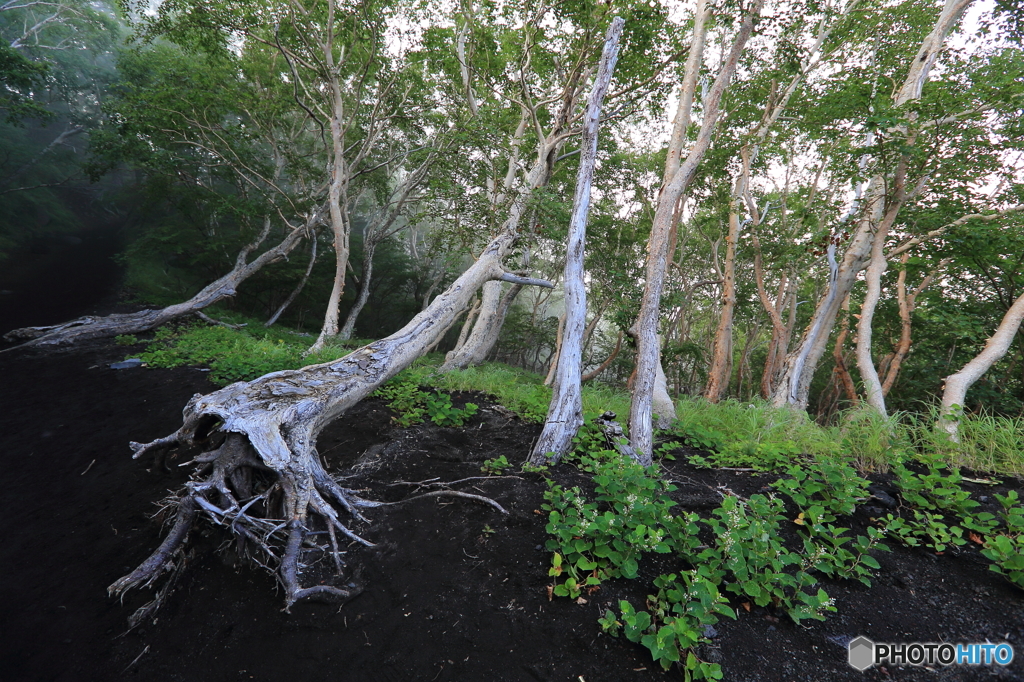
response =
{"points": [[453, 590]]}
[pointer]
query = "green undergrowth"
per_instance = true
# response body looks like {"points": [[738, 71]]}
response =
{"points": [[233, 354], [732, 433], [738, 555]]}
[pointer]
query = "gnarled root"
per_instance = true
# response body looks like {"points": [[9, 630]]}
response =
{"points": [[274, 516], [277, 514]]}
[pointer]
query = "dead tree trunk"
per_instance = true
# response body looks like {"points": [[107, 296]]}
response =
{"points": [[85, 328], [565, 411], [957, 384], [271, 425]]}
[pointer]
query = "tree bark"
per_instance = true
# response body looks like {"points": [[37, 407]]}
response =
{"points": [[468, 354], [675, 185], [907, 303], [364, 292], [955, 392], [839, 356], [721, 359]]}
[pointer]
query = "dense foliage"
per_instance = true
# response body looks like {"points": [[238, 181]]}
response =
{"points": [[206, 124]]}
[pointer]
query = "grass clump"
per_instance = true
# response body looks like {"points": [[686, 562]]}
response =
{"points": [[232, 354]]}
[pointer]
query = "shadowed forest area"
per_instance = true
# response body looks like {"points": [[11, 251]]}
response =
{"points": [[696, 323]]}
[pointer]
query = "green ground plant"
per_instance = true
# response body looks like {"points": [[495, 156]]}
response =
{"points": [[496, 466], [1006, 549]]}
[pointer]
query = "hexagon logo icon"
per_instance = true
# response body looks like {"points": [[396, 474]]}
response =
{"points": [[862, 653]]}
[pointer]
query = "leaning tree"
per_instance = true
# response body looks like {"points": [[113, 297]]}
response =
{"points": [[260, 474]]}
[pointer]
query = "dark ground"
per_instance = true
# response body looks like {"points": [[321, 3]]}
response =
{"points": [[444, 598]]}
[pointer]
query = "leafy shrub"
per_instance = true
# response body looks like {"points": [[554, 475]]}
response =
{"points": [[749, 551], [496, 466], [674, 628], [1006, 549], [824, 492]]}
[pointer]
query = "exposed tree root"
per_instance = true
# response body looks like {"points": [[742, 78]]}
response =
{"points": [[274, 517], [261, 476]]}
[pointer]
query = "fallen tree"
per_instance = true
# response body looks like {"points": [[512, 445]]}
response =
{"points": [[260, 474], [91, 327]]}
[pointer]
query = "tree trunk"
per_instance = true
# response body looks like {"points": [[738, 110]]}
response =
{"points": [[298, 287], [468, 324], [271, 425], [907, 303], [675, 185], [721, 360], [85, 328], [468, 353], [369, 247], [955, 393], [800, 366], [839, 356]]}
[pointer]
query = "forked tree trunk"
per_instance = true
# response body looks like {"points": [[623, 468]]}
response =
{"points": [[957, 384], [272, 424], [676, 182], [907, 303], [793, 389], [85, 328], [468, 324]]}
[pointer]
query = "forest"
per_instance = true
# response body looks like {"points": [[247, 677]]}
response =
{"points": [[807, 212]]}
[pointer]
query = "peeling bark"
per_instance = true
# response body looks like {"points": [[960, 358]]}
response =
{"points": [[271, 425]]}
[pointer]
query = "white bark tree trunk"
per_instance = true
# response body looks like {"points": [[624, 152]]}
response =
{"points": [[957, 384], [676, 183], [364, 292], [800, 366], [272, 424], [565, 414], [468, 353]]}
